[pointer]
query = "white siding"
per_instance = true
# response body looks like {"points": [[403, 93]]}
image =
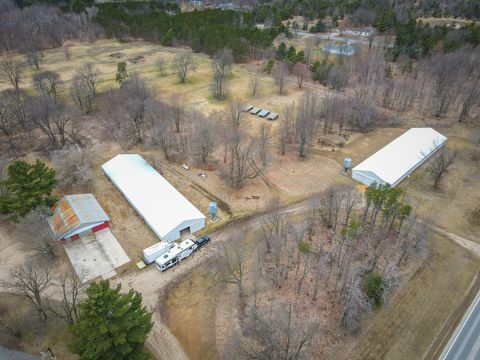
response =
{"points": [[397, 160], [163, 208]]}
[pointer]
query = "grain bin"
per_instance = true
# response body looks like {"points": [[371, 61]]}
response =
{"points": [[213, 210]]}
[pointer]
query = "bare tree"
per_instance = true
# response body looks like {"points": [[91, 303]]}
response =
{"points": [[272, 223], [31, 280], [446, 74], [254, 82], [73, 166], [264, 137], [305, 122], [89, 75], [177, 106], [471, 99], [204, 137], [161, 66], [11, 71], [182, 64], [242, 158], [8, 124], [37, 233], [355, 305], [234, 264], [66, 51], [235, 110], [287, 122], [128, 110], [440, 164], [280, 74], [11, 325], [276, 333], [221, 63], [81, 94], [14, 111], [162, 132], [302, 73], [54, 119], [48, 83], [73, 290]]}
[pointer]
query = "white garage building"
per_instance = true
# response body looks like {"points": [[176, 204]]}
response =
{"points": [[164, 209], [398, 159]]}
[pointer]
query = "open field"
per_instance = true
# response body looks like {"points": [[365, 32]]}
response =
{"points": [[419, 307]]}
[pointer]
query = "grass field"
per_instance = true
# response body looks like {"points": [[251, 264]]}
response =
{"points": [[405, 328], [415, 315]]}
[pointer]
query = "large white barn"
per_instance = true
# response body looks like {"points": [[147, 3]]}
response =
{"points": [[163, 208], [398, 159]]}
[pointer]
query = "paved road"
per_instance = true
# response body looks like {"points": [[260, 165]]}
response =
{"points": [[465, 342], [336, 37]]}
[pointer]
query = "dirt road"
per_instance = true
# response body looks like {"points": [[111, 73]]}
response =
{"points": [[150, 282]]}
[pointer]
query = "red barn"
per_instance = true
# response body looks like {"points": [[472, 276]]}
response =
{"points": [[77, 216]]}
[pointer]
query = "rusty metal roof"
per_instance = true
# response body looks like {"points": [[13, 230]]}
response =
{"points": [[75, 211]]}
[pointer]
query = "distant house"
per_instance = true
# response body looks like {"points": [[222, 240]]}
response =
{"points": [[77, 216], [195, 3], [343, 50], [358, 32], [226, 6]]}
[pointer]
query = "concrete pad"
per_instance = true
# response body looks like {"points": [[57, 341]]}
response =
{"points": [[96, 255]]}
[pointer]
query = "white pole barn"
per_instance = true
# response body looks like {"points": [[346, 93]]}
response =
{"points": [[398, 159], [163, 207]]}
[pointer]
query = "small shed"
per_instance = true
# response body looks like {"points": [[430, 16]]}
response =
{"points": [[77, 216], [263, 113], [272, 116]]}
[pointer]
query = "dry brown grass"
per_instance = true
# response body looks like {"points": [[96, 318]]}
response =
{"points": [[416, 313]]}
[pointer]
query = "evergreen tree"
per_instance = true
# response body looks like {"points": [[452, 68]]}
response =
{"points": [[300, 57], [291, 56], [26, 187], [112, 325], [122, 74], [281, 51]]}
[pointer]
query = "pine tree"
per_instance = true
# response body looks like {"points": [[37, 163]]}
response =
{"points": [[112, 325], [122, 75], [281, 51], [26, 187]]}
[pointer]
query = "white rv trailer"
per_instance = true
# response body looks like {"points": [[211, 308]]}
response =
{"points": [[247, 108], [175, 255], [153, 252], [255, 110]]}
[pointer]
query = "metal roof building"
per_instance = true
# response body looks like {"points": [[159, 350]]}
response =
{"points": [[398, 159], [76, 216], [163, 207], [343, 50]]}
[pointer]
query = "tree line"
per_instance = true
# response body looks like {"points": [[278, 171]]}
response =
{"points": [[205, 31], [345, 257]]}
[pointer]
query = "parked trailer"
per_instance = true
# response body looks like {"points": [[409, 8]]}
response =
{"points": [[176, 254], [153, 252]]}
